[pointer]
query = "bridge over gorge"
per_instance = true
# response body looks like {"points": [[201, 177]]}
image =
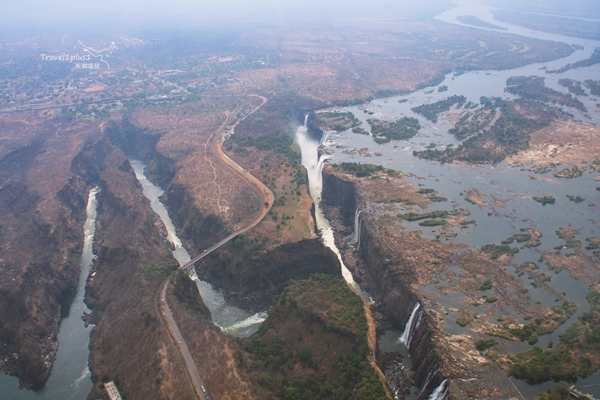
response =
{"points": [[216, 142]]}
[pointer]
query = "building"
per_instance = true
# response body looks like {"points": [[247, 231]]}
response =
{"points": [[112, 391]]}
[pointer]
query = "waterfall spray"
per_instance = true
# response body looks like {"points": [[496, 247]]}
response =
{"points": [[357, 227], [408, 330], [440, 392], [314, 167], [430, 376]]}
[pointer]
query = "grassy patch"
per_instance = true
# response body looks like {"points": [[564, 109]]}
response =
{"points": [[576, 355], [484, 344], [496, 251], [411, 216], [314, 345], [360, 170], [433, 222], [404, 128], [544, 200], [159, 271], [431, 111]]}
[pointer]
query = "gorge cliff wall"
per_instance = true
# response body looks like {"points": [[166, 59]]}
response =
{"points": [[389, 287], [41, 245], [251, 281]]}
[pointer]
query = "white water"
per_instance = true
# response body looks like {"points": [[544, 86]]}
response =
{"points": [[357, 227], [231, 319], [440, 392], [408, 329], [314, 168], [429, 377], [70, 378]]}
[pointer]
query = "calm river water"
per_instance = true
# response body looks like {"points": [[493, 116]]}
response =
{"points": [[70, 377], [508, 184], [231, 319]]}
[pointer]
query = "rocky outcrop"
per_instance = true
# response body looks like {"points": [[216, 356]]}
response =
{"points": [[392, 293], [251, 282], [312, 126]]}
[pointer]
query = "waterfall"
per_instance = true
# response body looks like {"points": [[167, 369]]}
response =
{"points": [[309, 149], [413, 328], [306, 120], [440, 392], [408, 330], [316, 186], [430, 376], [357, 227]]}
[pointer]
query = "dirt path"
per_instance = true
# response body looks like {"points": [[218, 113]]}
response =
{"points": [[215, 145], [207, 159]]}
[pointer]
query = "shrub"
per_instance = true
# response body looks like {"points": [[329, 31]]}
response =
{"points": [[484, 344]]}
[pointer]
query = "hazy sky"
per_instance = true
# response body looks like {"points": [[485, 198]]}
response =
{"points": [[137, 14]]}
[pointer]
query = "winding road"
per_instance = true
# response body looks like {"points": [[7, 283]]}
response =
{"points": [[216, 143]]}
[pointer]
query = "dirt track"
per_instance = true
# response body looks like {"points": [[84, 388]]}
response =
{"points": [[214, 145]]}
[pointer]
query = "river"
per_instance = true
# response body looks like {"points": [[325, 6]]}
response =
{"points": [[70, 378], [500, 183], [233, 320]]}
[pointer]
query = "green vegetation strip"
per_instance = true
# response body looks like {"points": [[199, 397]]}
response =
{"points": [[593, 59], [496, 251], [404, 128], [411, 216], [533, 88], [473, 20], [431, 111], [509, 134], [484, 344], [576, 355], [360, 170], [544, 200]]}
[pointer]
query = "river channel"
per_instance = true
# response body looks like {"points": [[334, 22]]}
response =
{"points": [[70, 378], [508, 189], [231, 319]]}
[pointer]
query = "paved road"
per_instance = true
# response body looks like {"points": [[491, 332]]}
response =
{"points": [[185, 352], [267, 194], [268, 198]]}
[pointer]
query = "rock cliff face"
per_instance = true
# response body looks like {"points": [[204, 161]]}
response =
{"points": [[198, 230], [393, 296], [130, 343], [339, 193], [251, 283], [44, 189]]}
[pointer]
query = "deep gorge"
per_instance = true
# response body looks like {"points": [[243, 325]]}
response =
{"points": [[392, 297]]}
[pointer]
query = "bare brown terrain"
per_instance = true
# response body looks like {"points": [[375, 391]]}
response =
{"points": [[563, 142], [128, 332], [188, 135], [42, 201], [420, 264], [170, 102], [357, 62], [218, 357]]}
